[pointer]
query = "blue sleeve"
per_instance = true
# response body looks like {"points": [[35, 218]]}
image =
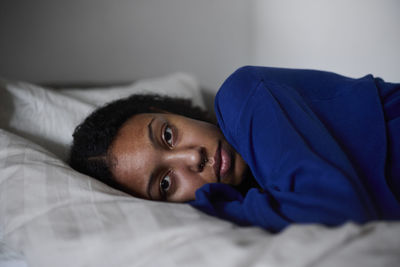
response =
{"points": [[306, 176]]}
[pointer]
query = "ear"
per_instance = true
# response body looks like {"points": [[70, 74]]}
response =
{"points": [[158, 110]]}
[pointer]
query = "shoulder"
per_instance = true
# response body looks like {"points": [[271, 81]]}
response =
{"points": [[243, 82], [234, 94], [247, 89], [232, 98], [238, 85]]}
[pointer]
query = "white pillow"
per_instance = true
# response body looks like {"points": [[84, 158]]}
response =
{"points": [[48, 117], [177, 84]]}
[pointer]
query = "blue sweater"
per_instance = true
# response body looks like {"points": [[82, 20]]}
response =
{"points": [[324, 148]]}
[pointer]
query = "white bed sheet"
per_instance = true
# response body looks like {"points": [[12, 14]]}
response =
{"points": [[54, 216]]}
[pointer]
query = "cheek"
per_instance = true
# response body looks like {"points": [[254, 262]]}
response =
{"points": [[186, 186], [132, 171]]}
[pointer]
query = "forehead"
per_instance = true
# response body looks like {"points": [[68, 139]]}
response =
{"points": [[131, 151]]}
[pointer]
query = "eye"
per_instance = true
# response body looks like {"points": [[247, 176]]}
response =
{"points": [[165, 184], [168, 136]]}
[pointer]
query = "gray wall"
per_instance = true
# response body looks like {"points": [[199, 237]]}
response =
{"points": [[352, 37], [103, 40]]}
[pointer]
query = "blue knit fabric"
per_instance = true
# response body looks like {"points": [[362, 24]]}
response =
{"points": [[325, 148]]}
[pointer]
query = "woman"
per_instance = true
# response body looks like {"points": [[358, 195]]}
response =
{"points": [[292, 146]]}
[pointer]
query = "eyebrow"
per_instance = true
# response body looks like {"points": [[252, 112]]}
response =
{"points": [[153, 177], [150, 132]]}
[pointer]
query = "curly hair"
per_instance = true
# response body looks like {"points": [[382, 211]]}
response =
{"points": [[93, 137]]}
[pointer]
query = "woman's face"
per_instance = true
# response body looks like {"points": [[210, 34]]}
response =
{"points": [[164, 156]]}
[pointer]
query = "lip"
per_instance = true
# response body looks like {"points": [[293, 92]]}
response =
{"points": [[226, 161], [223, 162], [217, 162]]}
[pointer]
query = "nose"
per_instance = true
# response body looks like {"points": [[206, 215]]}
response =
{"points": [[193, 158]]}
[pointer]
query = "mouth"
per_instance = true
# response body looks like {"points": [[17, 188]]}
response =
{"points": [[222, 161]]}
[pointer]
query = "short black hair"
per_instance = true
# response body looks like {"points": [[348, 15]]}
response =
{"points": [[93, 137]]}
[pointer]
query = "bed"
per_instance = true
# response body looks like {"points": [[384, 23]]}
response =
{"points": [[51, 215]]}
